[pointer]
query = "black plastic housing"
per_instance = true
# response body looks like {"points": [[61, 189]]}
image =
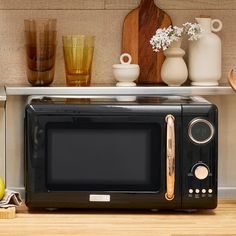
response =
{"points": [[151, 111]]}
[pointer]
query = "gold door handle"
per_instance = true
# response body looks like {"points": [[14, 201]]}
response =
{"points": [[170, 158]]}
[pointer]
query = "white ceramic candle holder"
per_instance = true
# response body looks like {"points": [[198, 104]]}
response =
{"points": [[126, 73]]}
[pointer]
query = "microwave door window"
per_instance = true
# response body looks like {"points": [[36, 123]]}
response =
{"points": [[103, 157]]}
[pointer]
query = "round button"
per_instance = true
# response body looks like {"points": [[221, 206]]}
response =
{"points": [[197, 190], [201, 131], [210, 190], [201, 172], [190, 191], [204, 191]]}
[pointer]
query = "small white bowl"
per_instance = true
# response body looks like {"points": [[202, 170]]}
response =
{"points": [[126, 73]]}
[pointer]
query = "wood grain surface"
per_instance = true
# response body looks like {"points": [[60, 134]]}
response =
{"points": [[139, 26], [232, 80], [221, 221]]}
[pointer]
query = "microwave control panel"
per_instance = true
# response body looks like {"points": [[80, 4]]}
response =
{"points": [[199, 176]]}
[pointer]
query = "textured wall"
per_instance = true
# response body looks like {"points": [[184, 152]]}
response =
{"points": [[104, 18]]}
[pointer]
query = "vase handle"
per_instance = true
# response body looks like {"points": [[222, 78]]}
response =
{"points": [[220, 25]]}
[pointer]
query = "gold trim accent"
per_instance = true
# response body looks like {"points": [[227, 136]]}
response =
{"points": [[170, 158]]}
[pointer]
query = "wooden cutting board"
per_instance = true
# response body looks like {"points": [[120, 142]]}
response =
{"points": [[139, 27]]}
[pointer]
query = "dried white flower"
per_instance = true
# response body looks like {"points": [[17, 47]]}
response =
{"points": [[193, 30], [165, 36]]}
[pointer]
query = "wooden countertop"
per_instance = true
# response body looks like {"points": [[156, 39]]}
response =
{"points": [[221, 221]]}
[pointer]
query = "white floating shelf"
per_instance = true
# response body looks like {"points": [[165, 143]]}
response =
{"points": [[111, 90]]}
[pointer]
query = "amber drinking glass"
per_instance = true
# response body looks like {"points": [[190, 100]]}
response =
{"points": [[78, 56], [40, 37]]}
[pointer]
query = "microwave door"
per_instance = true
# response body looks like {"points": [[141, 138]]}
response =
{"points": [[130, 157], [95, 153]]}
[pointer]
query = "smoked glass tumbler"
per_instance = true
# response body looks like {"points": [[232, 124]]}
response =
{"points": [[41, 43]]}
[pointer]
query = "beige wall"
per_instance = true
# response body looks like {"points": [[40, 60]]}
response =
{"points": [[104, 18]]}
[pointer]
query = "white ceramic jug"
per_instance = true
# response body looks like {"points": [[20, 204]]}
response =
{"points": [[205, 55]]}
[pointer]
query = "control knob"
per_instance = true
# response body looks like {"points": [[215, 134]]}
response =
{"points": [[201, 171]]}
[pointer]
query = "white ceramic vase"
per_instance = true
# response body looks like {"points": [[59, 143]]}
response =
{"points": [[205, 55], [174, 71]]}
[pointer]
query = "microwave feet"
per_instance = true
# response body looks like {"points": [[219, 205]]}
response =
{"points": [[191, 210], [51, 209], [186, 210], [154, 210]]}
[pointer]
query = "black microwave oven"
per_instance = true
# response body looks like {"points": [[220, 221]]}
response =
{"points": [[152, 153]]}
